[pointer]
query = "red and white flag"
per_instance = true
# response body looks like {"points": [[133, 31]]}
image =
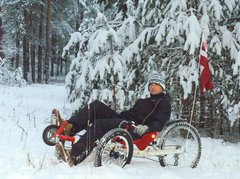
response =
{"points": [[205, 74]]}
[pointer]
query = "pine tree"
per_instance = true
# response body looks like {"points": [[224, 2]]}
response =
{"points": [[225, 53], [98, 73], [165, 36], [102, 60], [32, 30]]}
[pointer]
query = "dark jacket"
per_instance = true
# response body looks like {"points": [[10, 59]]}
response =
{"points": [[153, 111]]}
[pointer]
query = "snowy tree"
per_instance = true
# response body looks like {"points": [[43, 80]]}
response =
{"points": [[24, 41], [103, 58], [8, 77], [165, 36], [219, 19], [97, 72], [172, 32]]}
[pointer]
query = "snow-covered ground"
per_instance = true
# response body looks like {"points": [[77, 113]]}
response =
{"points": [[24, 113]]}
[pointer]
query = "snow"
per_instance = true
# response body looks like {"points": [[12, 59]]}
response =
{"points": [[106, 94], [237, 30], [233, 112], [11, 2], [229, 42], [101, 66], [236, 65], [128, 30], [204, 23], [215, 44], [162, 31], [216, 8], [188, 75], [176, 5], [14, 78], [193, 31], [226, 38], [75, 37], [24, 154], [230, 4]]}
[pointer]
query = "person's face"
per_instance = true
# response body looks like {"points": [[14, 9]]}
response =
{"points": [[154, 88]]}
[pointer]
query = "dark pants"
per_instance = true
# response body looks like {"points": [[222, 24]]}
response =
{"points": [[102, 119]]}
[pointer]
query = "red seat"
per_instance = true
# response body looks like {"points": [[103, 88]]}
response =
{"points": [[145, 140]]}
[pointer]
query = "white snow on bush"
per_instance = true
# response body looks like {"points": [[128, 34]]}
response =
{"points": [[193, 33], [188, 75], [216, 9]]}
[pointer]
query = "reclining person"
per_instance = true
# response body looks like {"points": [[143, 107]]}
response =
{"points": [[149, 114]]}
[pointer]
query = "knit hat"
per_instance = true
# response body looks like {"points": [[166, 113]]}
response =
{"points": [[157, 78]]}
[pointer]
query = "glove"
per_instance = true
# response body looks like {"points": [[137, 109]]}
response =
{"points": [[140, 129], [77, 137]]}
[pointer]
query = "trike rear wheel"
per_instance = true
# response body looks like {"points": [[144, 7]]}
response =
{"points": [[183, 136]]}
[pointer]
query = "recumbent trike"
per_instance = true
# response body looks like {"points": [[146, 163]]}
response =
{"points": [[178, 144]]}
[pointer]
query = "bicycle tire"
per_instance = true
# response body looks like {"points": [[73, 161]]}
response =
{"points": [[175, 134], [47, 133], [106, 141]]}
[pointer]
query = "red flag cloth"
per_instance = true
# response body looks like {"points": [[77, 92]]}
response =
{"points": [[205, 74]]}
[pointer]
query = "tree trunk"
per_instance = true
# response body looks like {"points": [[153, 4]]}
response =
{"points": [[77, 25], [46, 69], [18, 48], [185, 109], [76, 49], [58, 66], [58, 57], [61, 66], [211, 111], [66, 67], [40, 48], [25, 48], [221, 120], [202, 111], [32, 47], [25, 57], [1, 34], [53, 59]]}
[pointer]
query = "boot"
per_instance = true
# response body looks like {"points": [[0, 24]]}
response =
{"points": [[56, 117], [60, 151]]}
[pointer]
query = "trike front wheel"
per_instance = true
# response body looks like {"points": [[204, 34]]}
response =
{"points": [[48, 134], [114, 148]]}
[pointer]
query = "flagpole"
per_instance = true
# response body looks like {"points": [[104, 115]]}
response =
{"points": [[195, 91]]}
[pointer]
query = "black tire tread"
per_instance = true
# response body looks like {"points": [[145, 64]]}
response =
{"points": [[45, 134], [106, 138], [172, 127]]}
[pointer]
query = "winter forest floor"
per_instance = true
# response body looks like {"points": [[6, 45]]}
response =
{"points": [[25, 112]]}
